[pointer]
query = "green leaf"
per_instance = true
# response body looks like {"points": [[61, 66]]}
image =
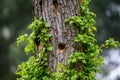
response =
{"points": [[67, 20], [47, 24], [84, 61], [74, 60], [22, 38], [80, 57], [29, 47], [77, 39], [94, 28], [44, 31], [49, 48]]}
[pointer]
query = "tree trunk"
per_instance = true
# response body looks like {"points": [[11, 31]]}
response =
{"points": [[56, 12]]}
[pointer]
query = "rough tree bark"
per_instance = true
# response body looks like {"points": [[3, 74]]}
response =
{"points": [[56, 12]]}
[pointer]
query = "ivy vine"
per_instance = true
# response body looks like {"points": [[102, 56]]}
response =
{"points": [[35, 68], [81, 65]]}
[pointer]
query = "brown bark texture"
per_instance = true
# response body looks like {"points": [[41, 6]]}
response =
{"points": [[56, 12]]}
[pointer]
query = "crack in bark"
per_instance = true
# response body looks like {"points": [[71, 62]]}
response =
{"points": [[40, 4]]}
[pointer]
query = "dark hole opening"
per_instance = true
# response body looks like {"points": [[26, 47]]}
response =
{"points": [[55, 6], [61, 46]]}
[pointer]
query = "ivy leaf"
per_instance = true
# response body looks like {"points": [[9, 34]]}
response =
{"points": [[49, 48], [67, 20], [74, 60], [44, 30], [77, 39], [84, 61], [71, 22], [29, 47], [80, 57], [47, 24], [22, 38], [94, 28], [74, 77], [47, 36]]}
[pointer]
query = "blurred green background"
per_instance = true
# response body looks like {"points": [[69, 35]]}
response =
{"points": [[15, 15]]}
